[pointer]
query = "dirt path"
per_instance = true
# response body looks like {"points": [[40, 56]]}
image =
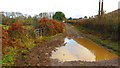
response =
{"points": [[40, 55], [71, 32]]}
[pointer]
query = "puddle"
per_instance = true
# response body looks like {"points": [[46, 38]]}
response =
{"points": [[81, 49]]}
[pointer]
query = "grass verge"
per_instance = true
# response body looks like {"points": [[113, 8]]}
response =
{"points": [[49, 38], [106, 43]]}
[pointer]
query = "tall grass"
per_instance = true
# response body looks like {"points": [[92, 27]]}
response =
{"points": [[107, 25]]}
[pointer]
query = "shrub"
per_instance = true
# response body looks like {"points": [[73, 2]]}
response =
{"points": [[50, 27], [15, 40]]}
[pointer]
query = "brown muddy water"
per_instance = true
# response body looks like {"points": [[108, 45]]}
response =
{"points": [[81, 50]]}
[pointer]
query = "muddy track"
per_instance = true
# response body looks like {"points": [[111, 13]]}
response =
{"points": [[40, 55]]}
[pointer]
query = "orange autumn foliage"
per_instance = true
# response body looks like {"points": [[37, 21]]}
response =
{"points": [[50, 27], [7, 39], [8, 24], [16, 27]]}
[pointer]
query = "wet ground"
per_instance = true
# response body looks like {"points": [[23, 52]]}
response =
{"points": [[81, 50], [69, 50]]}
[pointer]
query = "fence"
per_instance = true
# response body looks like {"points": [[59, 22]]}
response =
{"points": [[39, 31]]}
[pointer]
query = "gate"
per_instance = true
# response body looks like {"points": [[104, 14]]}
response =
{"points": [[39, 31]]}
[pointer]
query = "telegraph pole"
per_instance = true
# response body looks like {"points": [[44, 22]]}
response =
{"points": [[99, 8], [102, 12]]}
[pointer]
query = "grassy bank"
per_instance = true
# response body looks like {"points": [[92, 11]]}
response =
{"points": [[106, 26], [98, 39], [51, 37]]}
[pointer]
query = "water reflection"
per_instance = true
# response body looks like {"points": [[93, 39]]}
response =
{"points": [[81, 49]]}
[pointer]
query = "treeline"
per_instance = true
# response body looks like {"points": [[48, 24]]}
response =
{"points": [[13, 17]]}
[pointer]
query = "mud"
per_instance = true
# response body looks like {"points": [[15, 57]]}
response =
{"points": [[40, 55]]}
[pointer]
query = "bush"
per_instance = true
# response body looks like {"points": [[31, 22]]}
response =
{"points": [[15, 40], [50, 27]]}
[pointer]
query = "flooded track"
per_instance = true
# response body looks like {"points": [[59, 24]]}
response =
{"points": [[81, 49], [71, 49]]}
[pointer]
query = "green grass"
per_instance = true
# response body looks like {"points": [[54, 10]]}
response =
{"points": [[6, 27], [9, 59], [0, 24], [28, 27], [49, 38], [12, 53]]}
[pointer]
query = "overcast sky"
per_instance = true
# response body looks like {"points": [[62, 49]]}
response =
{"points": [[71, 8]]}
